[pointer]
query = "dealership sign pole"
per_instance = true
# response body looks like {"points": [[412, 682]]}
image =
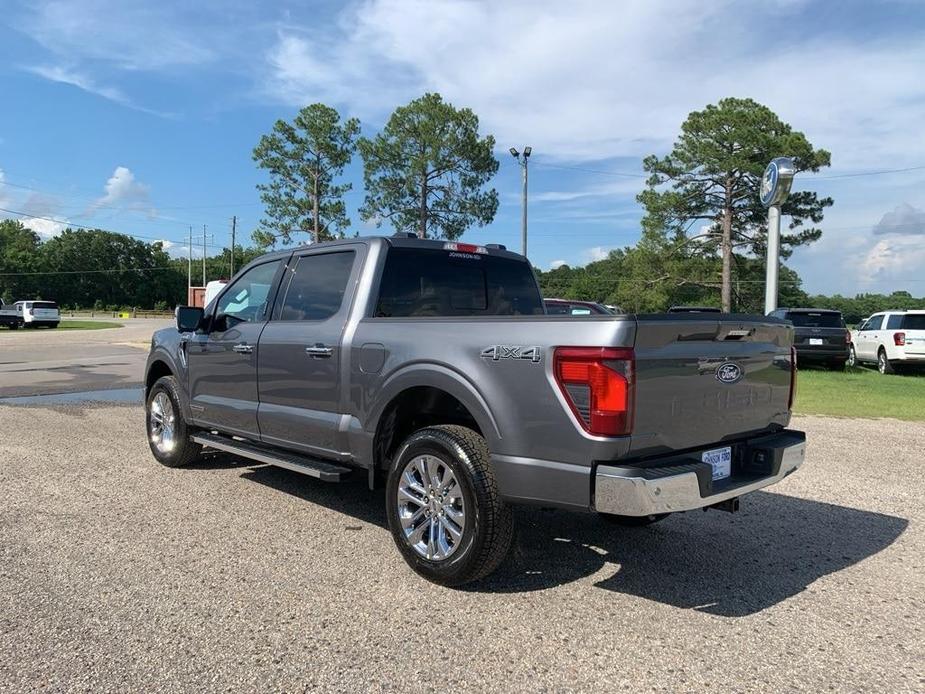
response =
{"points": [[775, 187]]}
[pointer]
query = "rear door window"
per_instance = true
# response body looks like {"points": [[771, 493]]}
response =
{"points": [[435, 282], [894, 321], [814, 320]]}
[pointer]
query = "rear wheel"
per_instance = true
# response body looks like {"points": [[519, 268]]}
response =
{"points": [[633, 521], [168, 433], [883, 364], [445, 514], [852, 356]]}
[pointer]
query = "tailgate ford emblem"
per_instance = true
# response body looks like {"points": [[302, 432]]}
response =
{"points": [[728, 372]]}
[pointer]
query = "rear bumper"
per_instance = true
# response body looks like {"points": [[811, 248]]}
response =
{"points": [[810, 352], [683, 483]]}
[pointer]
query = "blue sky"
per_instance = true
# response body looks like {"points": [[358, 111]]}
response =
{"points": [[140, 116]]}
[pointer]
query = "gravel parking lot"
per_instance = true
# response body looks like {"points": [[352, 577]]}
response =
{"points": [[117, 574]]}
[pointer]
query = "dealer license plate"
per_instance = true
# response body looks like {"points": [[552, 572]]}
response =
{"points": [[816, 341], [720, 460]]}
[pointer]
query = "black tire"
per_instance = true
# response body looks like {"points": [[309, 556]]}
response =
{"points": [[183, 451], [633, 521], [884, 365], [488, 526]]}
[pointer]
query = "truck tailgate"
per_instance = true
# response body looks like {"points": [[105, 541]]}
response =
{"points": [[702, 380]]}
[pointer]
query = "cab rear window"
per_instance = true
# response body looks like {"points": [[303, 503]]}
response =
{"points": [[435, 282]]}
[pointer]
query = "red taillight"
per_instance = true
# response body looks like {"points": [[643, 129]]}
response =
{"points": [[597, 383], [847, 337], [793, 377], [899, 339]]}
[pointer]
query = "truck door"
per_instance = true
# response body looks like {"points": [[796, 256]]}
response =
{"points": [[300, 361], [223, 361]]}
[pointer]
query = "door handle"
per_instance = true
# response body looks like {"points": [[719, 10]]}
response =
{"points": [[319, 350], [242, 348]]}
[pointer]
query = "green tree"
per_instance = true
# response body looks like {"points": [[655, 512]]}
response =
{"points": [[426, 171], [711, 180], [18, 257], [91, 267], [303, 159]]}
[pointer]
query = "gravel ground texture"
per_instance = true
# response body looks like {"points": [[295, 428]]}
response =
{"points": [[117, 574]]}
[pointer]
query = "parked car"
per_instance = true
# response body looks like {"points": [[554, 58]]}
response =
{"points": [[433, 367], [820, 335], [34, 314], [567, 307], [890, 339], [694, 309]]}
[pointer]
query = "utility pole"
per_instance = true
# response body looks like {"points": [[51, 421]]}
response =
{"points": [[189, 263], [523, 218], [234, 223], [203, 255], [775, 187]]}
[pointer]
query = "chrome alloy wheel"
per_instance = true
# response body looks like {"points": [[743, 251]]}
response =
{"points": [[431, 508], [162, 423]]}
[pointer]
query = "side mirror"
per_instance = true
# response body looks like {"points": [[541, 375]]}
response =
{"points": [[189, 318]]}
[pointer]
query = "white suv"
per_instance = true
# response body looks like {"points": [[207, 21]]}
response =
{"points": [[890, 339]]}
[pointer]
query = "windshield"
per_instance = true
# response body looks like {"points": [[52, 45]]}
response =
{"points": [[815, 320]]}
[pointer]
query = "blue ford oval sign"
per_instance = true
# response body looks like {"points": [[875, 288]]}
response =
{"points": [[775, 183], [769, 183], [728, 372]]}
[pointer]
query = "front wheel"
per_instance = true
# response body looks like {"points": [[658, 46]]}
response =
{"points": [[168, 433], [852, 357], [445, 514]]}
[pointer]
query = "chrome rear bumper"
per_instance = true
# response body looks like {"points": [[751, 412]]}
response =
{"points": [[625, 491]]}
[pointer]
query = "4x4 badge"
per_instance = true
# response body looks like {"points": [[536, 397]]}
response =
{"points": [[497, 352]]}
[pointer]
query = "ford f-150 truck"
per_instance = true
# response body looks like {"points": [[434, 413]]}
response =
{"points": [[432, 367]]}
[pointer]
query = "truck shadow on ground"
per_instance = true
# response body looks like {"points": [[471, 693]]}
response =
{"points": [[729, 565]]}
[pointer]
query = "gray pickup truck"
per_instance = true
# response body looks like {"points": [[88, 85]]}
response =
{"points": [[433, 367]]}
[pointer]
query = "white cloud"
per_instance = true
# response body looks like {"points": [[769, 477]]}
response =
{"points": [[131, 35], [123, 191], [63, 75], [893, 260], [46, 228], [596, 253], [557, 264], [588, 80], [904, 219]]}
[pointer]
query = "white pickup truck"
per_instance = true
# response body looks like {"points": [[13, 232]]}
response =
{"points": [[9, 316]]}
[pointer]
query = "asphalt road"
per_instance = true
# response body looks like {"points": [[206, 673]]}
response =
{"points": [[41, 361], [117, 574]]}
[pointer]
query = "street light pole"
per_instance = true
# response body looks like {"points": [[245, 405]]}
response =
{"points": [[775, 187], [523, 217]]}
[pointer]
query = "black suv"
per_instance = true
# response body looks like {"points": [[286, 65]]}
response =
{"points": [[819, 335]]}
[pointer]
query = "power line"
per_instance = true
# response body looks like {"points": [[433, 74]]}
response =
{"points": [[872, 173], [85, 272], [622, 174], [89, 227]]}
